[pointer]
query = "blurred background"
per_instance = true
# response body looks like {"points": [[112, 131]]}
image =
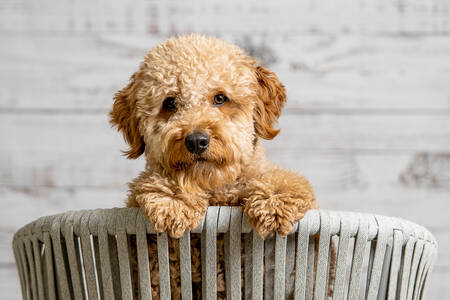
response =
{"points": [[367, 118]]}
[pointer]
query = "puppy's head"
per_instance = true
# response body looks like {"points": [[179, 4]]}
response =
{"points": [[196, 108]]}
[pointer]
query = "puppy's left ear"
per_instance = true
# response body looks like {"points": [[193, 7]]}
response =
{"points": [[271, 98], [124, 116]]}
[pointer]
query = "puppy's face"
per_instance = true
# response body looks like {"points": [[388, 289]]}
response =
{"points": [[196, 108]]}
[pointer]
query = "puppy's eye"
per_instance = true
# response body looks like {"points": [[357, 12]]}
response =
{"points": [[169, 104], [220, 99]]}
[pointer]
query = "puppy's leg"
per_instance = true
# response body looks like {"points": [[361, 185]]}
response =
{"points": [[166, 205], [275, 200]]}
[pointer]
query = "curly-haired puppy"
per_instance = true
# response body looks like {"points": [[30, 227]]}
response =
{"points": [[197, 109]]}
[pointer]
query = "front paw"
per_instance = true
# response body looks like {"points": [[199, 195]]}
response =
{"points": [[174, 217], [270, 215]]}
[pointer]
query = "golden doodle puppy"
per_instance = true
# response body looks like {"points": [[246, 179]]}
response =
{"points": [[197, 109]]}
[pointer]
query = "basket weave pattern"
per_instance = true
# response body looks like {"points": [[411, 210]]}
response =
{"points": [[86, 254]]}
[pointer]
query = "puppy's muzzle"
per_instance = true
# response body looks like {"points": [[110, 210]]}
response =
{"points": [[197, 142]]}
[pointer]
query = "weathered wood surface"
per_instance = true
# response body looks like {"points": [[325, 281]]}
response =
{"points": [[346, 73], [168, 17], [367, 118], [374, 132], [70, 150]]}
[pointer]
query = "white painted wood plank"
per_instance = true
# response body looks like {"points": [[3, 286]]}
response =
{"points": [[321, 73], [64, 72], [366, 72], [68, 133], [82, 150], [63, 150], [341, 170], [216, 16], [363, 133]]}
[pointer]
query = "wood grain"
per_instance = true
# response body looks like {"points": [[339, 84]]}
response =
{"points": [[356, 74], [82, 150], [168, 17]]}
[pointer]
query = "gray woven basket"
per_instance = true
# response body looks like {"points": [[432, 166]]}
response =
{"points": [[85, 254]]}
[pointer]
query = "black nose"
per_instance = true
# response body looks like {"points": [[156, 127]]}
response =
{"points": [[197, 142]]}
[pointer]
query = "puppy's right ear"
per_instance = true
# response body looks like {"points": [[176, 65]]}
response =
{"points": [[271, 98], [123, 115]]}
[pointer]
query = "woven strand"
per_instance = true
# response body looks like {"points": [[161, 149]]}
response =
{"points": [[73, 257], [322, 256], [370, 259], [30, 263], [163, 261], [384, 229], [395, 265], [421, 268], [269, 268], [257, 266], [418, 250], [234, 257], [209, 262], [48, 252], [358, 256], [145, 289], [37, 259], [63, 285], [406, 269], [280, 265], [290, 265], [105, 260], [301, 260], [124, 257], [93, 223], [427, 269], [384, 278], [18, 258], [310, 278], [86, 251], [248, 266], [23, 270], [185, 266]]}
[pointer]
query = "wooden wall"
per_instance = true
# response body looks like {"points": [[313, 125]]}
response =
{"points": [[367, 119]]}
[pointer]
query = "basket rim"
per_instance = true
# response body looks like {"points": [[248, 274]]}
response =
{"points": [[128, 219]]}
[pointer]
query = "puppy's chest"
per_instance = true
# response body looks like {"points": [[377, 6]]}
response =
{"points": [[228, 195]]}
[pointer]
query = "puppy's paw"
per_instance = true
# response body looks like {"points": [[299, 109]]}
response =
{"points": [[268, 215], [174, 217]]}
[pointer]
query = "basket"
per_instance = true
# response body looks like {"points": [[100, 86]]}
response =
{"points": [[86, 255]]}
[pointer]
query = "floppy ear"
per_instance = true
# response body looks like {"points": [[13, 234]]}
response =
{"points": [[123, 115], [271, 98]]}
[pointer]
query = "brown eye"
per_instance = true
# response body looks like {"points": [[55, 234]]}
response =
{"points": [[220, 99], [169, 104]]}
